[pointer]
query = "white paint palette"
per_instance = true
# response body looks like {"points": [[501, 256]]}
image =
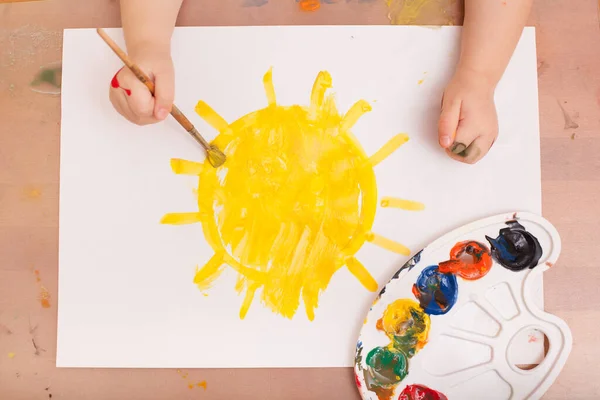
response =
{"points": [[444, 326]]}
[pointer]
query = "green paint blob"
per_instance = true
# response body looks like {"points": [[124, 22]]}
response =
{"points": [[387, 366]]}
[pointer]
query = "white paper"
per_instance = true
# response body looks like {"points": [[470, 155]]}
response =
{"points": [[126, 296]]}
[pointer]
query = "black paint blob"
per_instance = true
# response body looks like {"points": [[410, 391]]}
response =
{"points": [[515, 248]]}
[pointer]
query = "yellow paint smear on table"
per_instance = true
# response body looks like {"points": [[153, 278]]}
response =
{"points": [[11, 355], [33, 193], [294, 202], [421, 12]]}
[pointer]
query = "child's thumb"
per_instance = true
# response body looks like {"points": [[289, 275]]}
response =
{"points": [[164, 93], [448, 122]]}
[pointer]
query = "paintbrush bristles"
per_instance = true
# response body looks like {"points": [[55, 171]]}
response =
{"points": [[216, 158]]}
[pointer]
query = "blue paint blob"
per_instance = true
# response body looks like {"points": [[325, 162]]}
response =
{"points": [[500, 245], [436, 292]]}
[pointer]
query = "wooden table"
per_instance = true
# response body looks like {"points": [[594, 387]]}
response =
{"points": [[568, 39]]}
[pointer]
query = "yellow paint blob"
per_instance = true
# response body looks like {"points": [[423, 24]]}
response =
{"points": [[11, 355], [293, 203], [405, 319]]}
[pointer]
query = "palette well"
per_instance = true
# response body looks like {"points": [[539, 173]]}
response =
{"points": [[446, 324]]}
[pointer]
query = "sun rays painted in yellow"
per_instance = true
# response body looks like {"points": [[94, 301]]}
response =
{"points": [[294, 202]]}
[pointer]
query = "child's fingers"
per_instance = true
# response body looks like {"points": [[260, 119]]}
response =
{"points": [[119, 99], [448, 123], [139, 98], [165, 91], [466, 133], [140, 102], [119, 102]]}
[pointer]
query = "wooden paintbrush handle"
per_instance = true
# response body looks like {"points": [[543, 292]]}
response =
{"points": [[175, 111]]}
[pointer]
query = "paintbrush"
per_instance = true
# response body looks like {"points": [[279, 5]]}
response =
{"points": [[216, 158]]}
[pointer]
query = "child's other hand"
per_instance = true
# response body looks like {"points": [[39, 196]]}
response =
{"points": [[132, 99], [468, 124]]}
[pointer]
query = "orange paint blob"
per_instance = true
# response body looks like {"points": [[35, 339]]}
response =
{"points": [[190, 386], [44, 297], [470, 260], [201, 384], [310, 5]]}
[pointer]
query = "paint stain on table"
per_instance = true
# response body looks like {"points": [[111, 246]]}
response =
{"points": [[421, 12], [569, 123], [4, 329], [31, 193], [48, 80], [44, 296], [11, 355], [191, 384], [254, 3], [310, 5], [542, 67]]}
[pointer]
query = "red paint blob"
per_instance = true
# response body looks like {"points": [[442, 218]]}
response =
{"points": [[420, 392], [470, 260], [115, 83], [358, 385]]}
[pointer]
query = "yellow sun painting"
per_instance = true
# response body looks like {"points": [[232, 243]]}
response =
{"points": [[294, 202]]}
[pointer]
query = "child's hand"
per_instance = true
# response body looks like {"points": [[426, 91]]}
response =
{"points": [[132, 99], [468, 124]]}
